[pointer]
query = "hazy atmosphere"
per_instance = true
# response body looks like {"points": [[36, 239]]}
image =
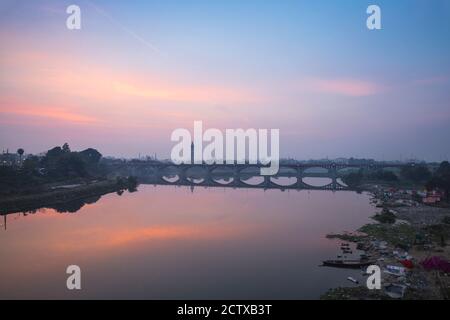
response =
{"points": [[200, 151], [138, 70]]}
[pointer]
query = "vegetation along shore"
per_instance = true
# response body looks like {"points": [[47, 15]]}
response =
{"points": [[409, 239], [57, 178]]}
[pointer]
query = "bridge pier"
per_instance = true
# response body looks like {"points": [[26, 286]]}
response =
{"points": [[208, 176], [333, 175], [300, 184], [334, 184], [266, 181], [158, 174], [236, 178], [182, 175]]}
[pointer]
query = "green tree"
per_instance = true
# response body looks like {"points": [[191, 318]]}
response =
{"points": [[91, 156], [416, 173], [353, 179], [54, 153], [441, 179], [65, 148], [70, 165], [30, 164], [383, 175], [62, 163]]}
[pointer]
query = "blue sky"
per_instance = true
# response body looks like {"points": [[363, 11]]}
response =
{"points": [[139, 69]]}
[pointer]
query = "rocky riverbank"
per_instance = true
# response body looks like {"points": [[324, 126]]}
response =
{"points": [[409, 241]]}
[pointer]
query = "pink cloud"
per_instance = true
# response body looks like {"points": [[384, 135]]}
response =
{"points": [[14, 107], [55, 73], [432, 80], [49, 85], [345, 87], [52, 113], [153, 90]]}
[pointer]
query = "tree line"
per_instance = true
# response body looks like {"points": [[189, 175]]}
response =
{"points": [[418, 175], [58, 163]]}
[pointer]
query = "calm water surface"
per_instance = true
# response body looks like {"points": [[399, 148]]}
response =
{"points": [[169, 242]]}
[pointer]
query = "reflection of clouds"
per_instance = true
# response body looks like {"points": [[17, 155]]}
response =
{"points": [[106, 238]]}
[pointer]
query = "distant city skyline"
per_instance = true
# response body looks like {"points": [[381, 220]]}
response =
{"points": [[137, 71]]}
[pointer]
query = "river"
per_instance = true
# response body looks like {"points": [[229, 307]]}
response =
{"points": [[168, 242]]}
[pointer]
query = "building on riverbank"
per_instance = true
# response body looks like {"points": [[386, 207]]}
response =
{"points": [[432, 197]]}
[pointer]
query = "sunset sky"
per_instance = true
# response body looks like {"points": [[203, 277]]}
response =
{"points": [[137, 70]]}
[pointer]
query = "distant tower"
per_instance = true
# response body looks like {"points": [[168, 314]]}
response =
{"points": [[192, 152]]}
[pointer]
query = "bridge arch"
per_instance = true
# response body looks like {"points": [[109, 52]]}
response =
{"points": [[169, 174], [317, 182], [286, 177], [222, 175]]}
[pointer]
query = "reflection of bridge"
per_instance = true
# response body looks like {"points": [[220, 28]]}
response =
{"points": [[240, 175], [266, 184]]}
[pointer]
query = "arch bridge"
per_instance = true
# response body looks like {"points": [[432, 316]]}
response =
{"points": [[243, 175]]}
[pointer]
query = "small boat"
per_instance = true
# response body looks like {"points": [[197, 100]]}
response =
{"points": [[347, 263]]}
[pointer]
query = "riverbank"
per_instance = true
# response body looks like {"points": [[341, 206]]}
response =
{"points": [[409, 241], [62, 193]]}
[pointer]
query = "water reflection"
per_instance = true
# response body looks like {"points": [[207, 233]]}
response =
{"points": [[66, 207], [224, 181], [195, 180], [252, 181], [171, 179], [284, 181], [75, 205], [317, 182], [342, 183], [168, 242]]}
